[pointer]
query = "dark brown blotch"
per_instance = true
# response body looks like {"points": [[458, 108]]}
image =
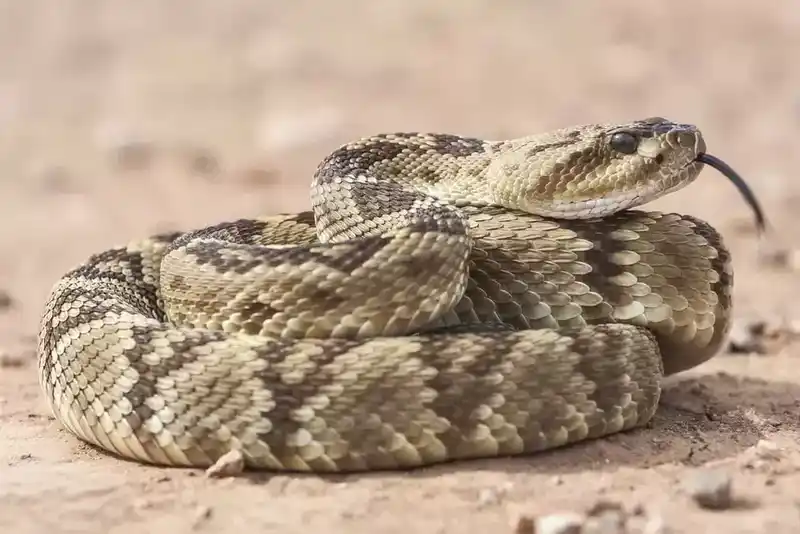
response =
{"points": [[457, 146], [350, 161]]}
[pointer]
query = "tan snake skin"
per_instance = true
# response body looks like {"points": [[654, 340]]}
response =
{"points": [[432, 313]]}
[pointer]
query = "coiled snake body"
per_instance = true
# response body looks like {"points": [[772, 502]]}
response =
{"points": [[447, 298]]}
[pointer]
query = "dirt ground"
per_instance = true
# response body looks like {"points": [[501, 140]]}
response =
{"points": [[120, 119]]}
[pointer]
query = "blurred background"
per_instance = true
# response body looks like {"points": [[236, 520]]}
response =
{"points": [[118, 119]]}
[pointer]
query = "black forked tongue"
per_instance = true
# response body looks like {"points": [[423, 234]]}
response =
{"points": [[740, 184]]}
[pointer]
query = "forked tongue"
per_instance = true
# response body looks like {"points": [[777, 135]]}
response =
{"points": [[741, 185]]}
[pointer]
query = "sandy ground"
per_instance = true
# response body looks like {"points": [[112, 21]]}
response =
{"points": [[120, 119]]}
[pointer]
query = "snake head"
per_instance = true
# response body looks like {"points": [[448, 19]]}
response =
{"points": [[596, 170]]}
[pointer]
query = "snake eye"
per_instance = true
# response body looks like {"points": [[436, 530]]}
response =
{"points": [[624, 142]]}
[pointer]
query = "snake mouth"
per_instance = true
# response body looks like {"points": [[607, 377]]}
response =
{"points": [[738, 181]]}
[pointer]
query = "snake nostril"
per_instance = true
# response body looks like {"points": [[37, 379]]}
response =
{"points": [[700, 146]]}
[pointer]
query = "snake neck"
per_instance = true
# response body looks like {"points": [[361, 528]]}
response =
{"points": [[575, 173]]}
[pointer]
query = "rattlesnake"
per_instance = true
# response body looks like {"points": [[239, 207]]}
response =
{"points": [[447, 298]]}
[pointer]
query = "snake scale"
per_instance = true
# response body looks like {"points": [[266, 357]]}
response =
{"points": [[446, 298]]}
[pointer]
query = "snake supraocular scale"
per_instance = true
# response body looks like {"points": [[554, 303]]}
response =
{"points": [[446, 298]]}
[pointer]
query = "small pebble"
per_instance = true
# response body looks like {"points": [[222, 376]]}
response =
{"points": [[711, 489], [761, 454], [604, 505], [781, 258], [525, 525], [201, 514], [747, 337], [143, 503], [9, 360], [203, 163], [605, 524], [257, 176], [229, 464], [58, 180], [567, 523], [605, 517], [134, 155], [490, 496], [763, 337], [767, 450], [6, 300]]}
